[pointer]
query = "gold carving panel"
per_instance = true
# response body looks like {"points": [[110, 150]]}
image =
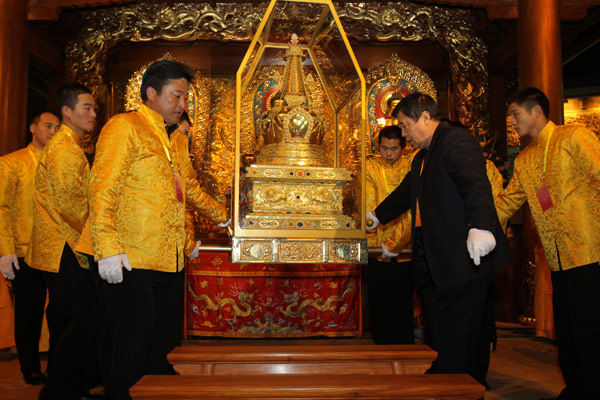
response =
{"points": [[321, 251], [306, 197]]}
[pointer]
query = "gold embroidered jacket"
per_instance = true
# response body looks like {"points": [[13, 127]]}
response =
{"points": [[17, 175], [382, 178], [133, 202], [572, 224], [495, 178], [179, 143], [60, 201]]}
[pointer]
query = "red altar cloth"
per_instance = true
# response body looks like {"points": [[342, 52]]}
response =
{"points": [[271, 300]]}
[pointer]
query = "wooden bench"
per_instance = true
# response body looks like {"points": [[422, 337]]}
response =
{"points": [[315, 359], [421, 386]]}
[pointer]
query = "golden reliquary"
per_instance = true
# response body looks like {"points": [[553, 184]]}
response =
{"points": [[297, 200]]}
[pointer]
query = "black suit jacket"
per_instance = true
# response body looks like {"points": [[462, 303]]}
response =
{"points": [[454, 196]]}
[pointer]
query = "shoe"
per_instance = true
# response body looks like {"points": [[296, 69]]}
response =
{"points": [[92, 397], [35, 378]]}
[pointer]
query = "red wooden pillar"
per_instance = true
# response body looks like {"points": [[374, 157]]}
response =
{"points": [[539, 51], [13, 74], [540, 65]]}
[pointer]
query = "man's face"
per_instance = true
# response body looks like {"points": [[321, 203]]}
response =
{"points": [[415, 132], [171, 101], [83, 116], [390, 150], [523, 121], [184, 127], [44, 129]]}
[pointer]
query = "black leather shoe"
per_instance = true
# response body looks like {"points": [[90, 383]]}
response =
{"points": [[35, 378], [92, 397]]}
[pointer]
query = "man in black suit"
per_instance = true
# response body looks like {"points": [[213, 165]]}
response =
{"points": [[457, 241]]}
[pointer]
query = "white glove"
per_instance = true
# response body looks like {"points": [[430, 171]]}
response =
{"points": [[110, 270], [386, 253], [225, 224], [6, 265], [372, 221], [195, 251], [479, 244]]}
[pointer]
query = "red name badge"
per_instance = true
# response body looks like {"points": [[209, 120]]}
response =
{"points": [[178, 189], [544, 198]]}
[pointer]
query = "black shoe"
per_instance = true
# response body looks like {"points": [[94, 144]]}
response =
{"points": [[35, 378], [92, 397]]}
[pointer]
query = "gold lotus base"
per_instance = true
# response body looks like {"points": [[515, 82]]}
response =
{"points": [[320, 251]]}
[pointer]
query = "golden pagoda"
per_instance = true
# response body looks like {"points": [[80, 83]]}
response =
{"points": [[293, 200]]}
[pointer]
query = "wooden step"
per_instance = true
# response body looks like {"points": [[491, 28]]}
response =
{"points": [[421, 386], [294, 359]]}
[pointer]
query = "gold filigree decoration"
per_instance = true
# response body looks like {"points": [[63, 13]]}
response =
{"points": [[452, 29], [142, 22]]}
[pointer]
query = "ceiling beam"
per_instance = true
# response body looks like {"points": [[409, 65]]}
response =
{"points": [[48, 10]]}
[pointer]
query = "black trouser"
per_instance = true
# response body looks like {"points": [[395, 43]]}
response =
{"points": [[576, 302], [30, 298], [72, 317], [456, 319], [391, 301], [144, 320], [103, 346]]}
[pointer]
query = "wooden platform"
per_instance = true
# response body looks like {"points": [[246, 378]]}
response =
{"points": [[314, 359], [450, 386]]}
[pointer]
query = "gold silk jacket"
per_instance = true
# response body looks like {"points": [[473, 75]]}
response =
{"points": [[495, 178], [133, 202], [572, 224], [17, 175], [60, 205], [380, 180], [179, 143]]}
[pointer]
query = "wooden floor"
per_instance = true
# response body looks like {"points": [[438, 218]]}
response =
{"points": [[522, 367]]}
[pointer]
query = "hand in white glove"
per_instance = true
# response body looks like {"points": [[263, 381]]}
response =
{"points": [[225, 224], [372, 220], [6, 265], [386, 253], [195, 251], [479, 244], [110, 270]]}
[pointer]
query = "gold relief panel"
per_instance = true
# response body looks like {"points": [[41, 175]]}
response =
{"points": [[298, 250], [217, 158], [324, 251], [300, 197]]}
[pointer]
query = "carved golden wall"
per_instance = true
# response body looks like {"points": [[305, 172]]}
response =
{"points": [[184, 22], [584, 111]]}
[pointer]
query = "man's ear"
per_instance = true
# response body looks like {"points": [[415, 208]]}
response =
{"points": [[426, 116], [537, 110], [151, 93], [32, 128], [66, 111]]}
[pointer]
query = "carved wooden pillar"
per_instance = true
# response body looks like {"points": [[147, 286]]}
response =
{"points": [[539, 51], [13, 74], [540, 65]]}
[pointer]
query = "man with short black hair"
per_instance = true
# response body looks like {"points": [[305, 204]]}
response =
{"points": [[457, 241], [138, 192], [389, 281], [17, 175], [558, 174], [59, 215]]}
